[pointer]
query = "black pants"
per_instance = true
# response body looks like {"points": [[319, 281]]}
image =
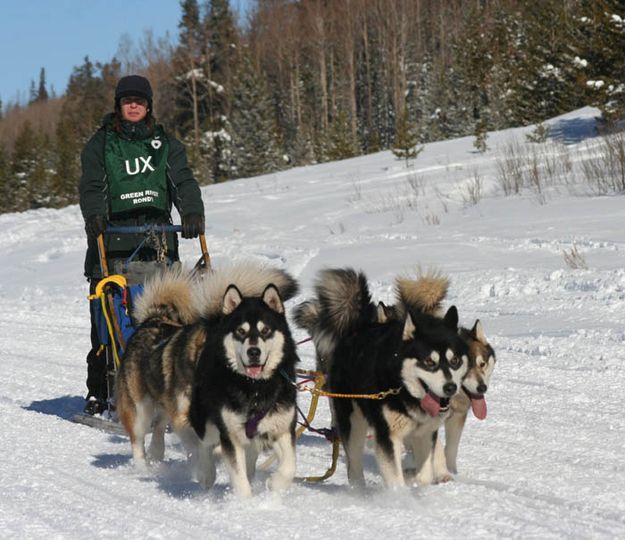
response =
{"points": [[96, 359]]}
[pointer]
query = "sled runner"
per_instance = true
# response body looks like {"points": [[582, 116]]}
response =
{"points": [[113, 301]]}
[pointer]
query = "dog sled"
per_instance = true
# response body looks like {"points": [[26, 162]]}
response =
{"points": [[114, 297]]}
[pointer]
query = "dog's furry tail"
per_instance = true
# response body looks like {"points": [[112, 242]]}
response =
{"points": [[168, 297], [344, 300], [424, 293], [250, 277], [306, 315]]}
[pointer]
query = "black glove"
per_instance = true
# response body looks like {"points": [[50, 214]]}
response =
{"points": [[96, 225], [192, 225]]}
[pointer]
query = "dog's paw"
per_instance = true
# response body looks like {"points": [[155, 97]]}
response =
{"points": [[425, 478], [278, 482], [155, 454], [140, 465], [444, 478], [206, 477], [242, 490]]}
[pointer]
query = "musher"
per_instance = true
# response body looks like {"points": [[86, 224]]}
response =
{"points": [[132, 173]]}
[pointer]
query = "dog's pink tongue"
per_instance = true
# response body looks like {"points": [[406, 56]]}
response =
{"points": [[253, 371], [478, 406], [430, 405]]}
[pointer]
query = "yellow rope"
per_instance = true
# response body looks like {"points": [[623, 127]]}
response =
{"points": [[377, 395], [319, 382], [316, 390], [331, 469]]}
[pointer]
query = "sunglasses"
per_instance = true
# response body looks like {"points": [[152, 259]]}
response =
{"points": [[134, 99]]}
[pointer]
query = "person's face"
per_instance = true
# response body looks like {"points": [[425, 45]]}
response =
{"points": [[134, 109]]}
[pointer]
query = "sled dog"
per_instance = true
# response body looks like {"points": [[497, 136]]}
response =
{"points": [[427, 292], [243, 396], [420, 359], [474, 386], [155, 381]]}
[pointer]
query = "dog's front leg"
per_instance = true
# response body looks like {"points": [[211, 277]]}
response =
{"points": [[251, 455], [422, 448], [388, 455], [204, 459], [284, 446], [234, 459], [453, 431], [441, 473]]}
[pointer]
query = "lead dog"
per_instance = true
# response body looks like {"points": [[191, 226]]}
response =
{"points": [[243, 396], [421, 359], [427, 292]]}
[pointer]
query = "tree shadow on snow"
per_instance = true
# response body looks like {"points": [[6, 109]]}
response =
{"points": [[573, 130], [63, 407]]}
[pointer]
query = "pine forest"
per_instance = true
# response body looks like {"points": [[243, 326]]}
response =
{"points": [[308, 81]]}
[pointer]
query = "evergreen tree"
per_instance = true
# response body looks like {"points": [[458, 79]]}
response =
{"points": [[40, 178], [189, 26], [191, 80], [406, 141], [89, 96], [340, 144], [301, 150], [421, 105], [24, 164], [504, 34], [6, 196], [253, 122], [481, 134], [67, 147], [601, 27], [221, 39], [473, 62], [539, 135], [217, 151], [32, 93], [546, 78], [42, 92]]}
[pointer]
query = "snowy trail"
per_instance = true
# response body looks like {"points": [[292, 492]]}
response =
{"points": [[547, 461]]}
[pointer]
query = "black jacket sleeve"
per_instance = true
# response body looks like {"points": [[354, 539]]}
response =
{"points": [[93, 187], [185, 191]]}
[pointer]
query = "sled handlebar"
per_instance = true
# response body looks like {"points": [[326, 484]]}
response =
{"points": [[142, 229], [146, 229]]}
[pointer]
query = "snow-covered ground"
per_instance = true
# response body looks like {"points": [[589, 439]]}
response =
{"points": [[548, 462]]}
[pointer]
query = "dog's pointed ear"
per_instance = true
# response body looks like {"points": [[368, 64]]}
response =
{"points": [[232, 299], [409, 328], [477, 332], [271, 297], [381, 313], [451, 318]]}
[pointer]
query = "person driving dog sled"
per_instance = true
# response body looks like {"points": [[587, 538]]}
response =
{"points": [[132, 173]]}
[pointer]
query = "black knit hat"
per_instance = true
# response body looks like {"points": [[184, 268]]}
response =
{"points": [[133, 85]]}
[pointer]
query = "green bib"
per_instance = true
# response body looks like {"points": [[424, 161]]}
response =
{"points": [[137, 172]]}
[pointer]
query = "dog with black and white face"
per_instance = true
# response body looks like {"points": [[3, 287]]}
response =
{"points": [[243, 396], [420, 358]]}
